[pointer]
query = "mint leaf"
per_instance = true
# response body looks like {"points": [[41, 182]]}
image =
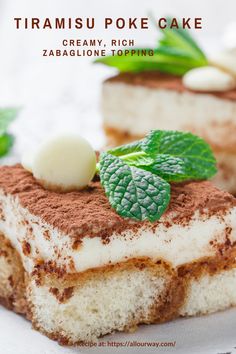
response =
{"points": [[7, 115], [195, 153], [170, 168], [6, 142], [133, 192], [132, 154], [178, 57], [126, 149], [138, 159], [181, 40]]}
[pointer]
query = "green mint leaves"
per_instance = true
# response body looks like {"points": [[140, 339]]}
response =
{"points": [[7, 115], [136, 176], [176, 53]]}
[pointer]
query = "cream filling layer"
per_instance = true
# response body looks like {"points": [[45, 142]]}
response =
{"points": [[137, 110], [176, 244]]}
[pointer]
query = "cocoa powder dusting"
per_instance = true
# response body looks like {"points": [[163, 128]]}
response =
{"points": [[26, 248], [88, 212], [157, 80]]}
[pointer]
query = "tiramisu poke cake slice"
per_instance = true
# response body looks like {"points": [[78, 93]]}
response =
{"points": [[139, 243], [176, 88]]}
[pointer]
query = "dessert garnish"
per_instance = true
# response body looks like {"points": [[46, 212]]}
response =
{"points": [[220, 75], [136, 177], [7, 115], [177, 53], [209, 78], [64, 162]]}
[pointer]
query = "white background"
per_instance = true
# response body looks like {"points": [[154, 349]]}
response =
{"points": [[63, 94]]}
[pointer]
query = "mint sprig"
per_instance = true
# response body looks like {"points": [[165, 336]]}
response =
{"points": [[126, 149], [171, 168], [136, 176], [176, 53]]}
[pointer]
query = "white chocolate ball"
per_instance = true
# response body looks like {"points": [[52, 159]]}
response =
{"points": [[64, 163], [208, 78], [225, 60]]}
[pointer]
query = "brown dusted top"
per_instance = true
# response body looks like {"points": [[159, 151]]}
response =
{"points": [[88, 212], [157, 80]]}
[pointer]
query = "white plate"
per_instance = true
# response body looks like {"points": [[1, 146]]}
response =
{"points": [[214, 334]]}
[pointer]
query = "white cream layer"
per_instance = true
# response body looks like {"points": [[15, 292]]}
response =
{"points": [[137, 110], [176, 244]]}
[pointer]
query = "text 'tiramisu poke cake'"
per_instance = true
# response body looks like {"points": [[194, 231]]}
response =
{"points": [[177, 88], [144, 240]]}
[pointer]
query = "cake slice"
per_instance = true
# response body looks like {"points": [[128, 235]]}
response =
{"points": [[135, 103], [78, 270]]}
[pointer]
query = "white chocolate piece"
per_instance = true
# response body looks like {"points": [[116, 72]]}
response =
{"points": [[66, 162], [225, 61], [208, 78]]}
